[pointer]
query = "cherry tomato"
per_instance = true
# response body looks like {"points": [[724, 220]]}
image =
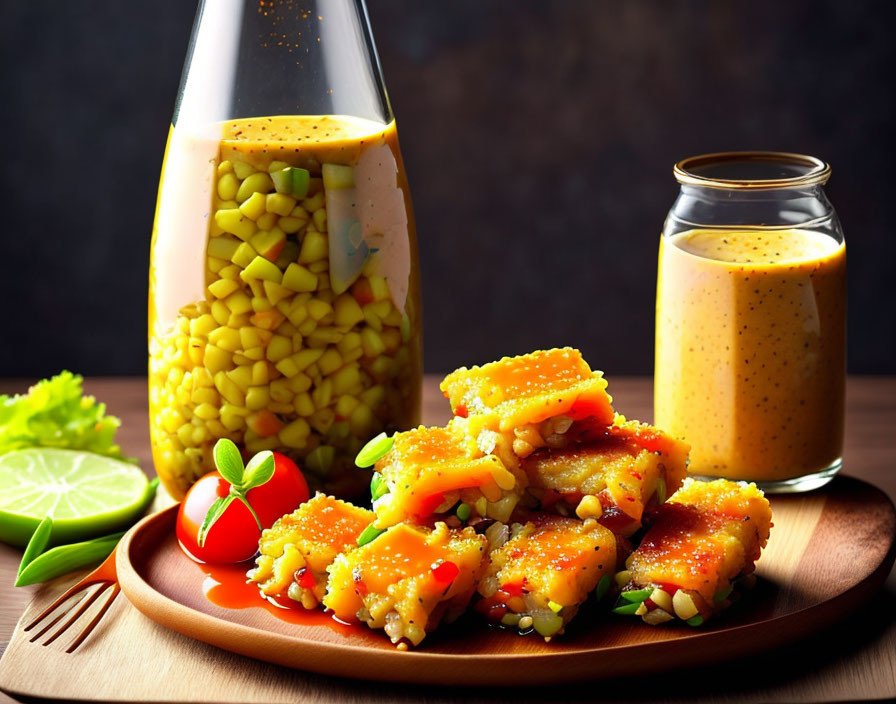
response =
{"points": [[234, 536]]}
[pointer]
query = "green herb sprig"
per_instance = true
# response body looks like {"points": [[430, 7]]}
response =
{"points": [[241, 479]]}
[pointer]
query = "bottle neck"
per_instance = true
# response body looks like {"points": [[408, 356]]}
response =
{"points": [[702, 207]]}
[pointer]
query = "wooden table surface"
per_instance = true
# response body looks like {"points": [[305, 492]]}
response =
{"points": [[852, 661]]}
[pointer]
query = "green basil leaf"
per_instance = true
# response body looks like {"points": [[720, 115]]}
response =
{"points": [[40, 538], [65, 558], [259, 470], [215, 511], [374, 450], [228, 461]]}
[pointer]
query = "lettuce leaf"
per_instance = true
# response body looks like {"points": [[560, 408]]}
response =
{"points": [[55, 413]]}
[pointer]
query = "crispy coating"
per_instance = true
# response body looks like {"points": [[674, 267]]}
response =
{"points": [[298, 548], [528, 389], [546, 570], [705, 536], [407, 580], [629, 462], [428, 470]]}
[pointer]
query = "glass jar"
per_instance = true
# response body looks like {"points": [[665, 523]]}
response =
{"points": [[751, 320], [284, 298]]}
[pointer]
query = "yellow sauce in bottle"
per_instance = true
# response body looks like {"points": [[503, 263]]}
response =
{"points": [[750, 350]]}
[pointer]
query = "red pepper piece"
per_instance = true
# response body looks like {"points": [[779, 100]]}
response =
{"points": [[445, 572], [304, 578]]}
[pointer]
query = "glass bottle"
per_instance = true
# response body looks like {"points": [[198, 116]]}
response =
{"points": [[751, 320], [284, 298]]}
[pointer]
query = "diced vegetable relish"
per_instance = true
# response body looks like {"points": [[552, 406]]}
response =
{"points": [[307, 338], [528, 389]]}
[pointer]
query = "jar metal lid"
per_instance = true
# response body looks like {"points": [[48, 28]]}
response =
{"points": [[752, 170]]}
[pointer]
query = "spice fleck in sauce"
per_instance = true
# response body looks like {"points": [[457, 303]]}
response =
{"points": [[750, 350]]}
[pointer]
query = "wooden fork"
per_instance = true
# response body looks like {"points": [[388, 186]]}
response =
{"points": [[107, 577]]}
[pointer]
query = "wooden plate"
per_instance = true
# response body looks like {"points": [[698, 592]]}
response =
{"points": [[828, 551]]}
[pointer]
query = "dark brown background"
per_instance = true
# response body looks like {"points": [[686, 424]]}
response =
{"points": [[539, 139]]}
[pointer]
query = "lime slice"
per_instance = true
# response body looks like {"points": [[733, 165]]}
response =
{"points": [[86, 494]]}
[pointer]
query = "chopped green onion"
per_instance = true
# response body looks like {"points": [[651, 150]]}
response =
{"points": [[695, 620], [636, 595], [369, 534], [722, 594], [603, 586], [65, 558], [37, 544], [464, 511], [378, 487], [374, 450], [661, 490], [301, 180], [626, 609]]}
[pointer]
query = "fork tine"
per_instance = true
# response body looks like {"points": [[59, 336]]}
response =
{"points": [[82, 607], [80, 586], [95, 620]]}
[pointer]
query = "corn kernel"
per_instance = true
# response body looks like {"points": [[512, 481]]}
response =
{"points": [[225, 338], [373, 396], [225, 167], [317, 309], [323, 394], [253, 206], [257, 397], [205, 411], [261, 268], [242, 169], [298, 311], [255, 354], [345, 379], [203, 395], [371, 318], [308, 326], [232, 272], [279, 348], [322, 420], [280, 203], [379, 288], [228, 185], [298, 383], [234, 222], [384, 367], [372, 343], [241, 376], [303, 404], [258, 182], [329, 362], [222, 247], [295, 434], [305, 358], [347, 312], [349, 341], [260, 305], [276, 292], [362, 421], [220, 312], [215, 265], [320, 266], [314, 202], [320, 219], [229, 390], [267, 320], [280, 391], [269, 243], [260, 373], [237, 320], [298, 278], [243, 255], [287, 367], [391, 339], [222, 288], [290, 225], [277, 166], [238, 303], [345, 405], [314, 248]]}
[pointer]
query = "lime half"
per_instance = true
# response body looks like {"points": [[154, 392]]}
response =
{"points": [[85, 494]]}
